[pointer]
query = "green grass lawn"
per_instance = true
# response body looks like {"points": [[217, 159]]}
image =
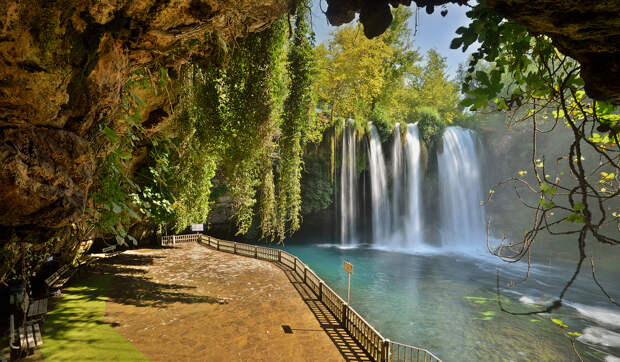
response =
{"points": [[74, 330]]}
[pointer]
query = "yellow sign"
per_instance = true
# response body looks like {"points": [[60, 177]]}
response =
{"points": [[348, 267]]}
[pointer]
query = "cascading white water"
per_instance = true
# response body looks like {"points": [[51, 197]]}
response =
{"points": [[405, 230], [381, 218], [462, 217], [397, 176], [413, 218], [348, 187]]}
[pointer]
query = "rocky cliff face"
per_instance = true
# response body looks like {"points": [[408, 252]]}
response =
{"points": [[63, 64]]}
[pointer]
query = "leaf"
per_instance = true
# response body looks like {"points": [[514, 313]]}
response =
{"points": [[483, 78], [456, 43], [558, 322], [576, 334], [138, 100], [125, 155], [576, 217], [120, 240], [133, 240], [115, 208], [133, 214], [110, 134]]}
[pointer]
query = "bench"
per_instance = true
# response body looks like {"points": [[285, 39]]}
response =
{"points": [[29, 337], [60, 277], [38, 308]]}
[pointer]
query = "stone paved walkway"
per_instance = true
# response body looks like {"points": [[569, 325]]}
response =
{"points": [[193, 303]]}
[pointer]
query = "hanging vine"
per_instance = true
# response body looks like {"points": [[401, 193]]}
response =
{"points": [[297, 116]]}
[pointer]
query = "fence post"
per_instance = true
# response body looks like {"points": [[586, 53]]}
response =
{"points": [[174, 239], [305, 275], [320, 290], [217, 244], [235, 245], [345, 307], [255, 252], [385, 351], [295, 264], [280, 256]]}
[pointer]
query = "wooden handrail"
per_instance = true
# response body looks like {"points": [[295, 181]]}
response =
{"points": [[379, 348]]}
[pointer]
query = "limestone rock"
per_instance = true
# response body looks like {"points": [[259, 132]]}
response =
{"points": [[45, 177], [63, 65]]}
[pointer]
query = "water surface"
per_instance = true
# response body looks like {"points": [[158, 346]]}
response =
{"points": [[447, 303]]}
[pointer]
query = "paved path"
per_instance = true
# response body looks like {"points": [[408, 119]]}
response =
{"points": [[194, 303]]}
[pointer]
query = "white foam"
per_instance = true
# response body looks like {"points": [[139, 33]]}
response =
{"points": [[338, 246], [598, 314], [421, 249], [610, 358], [600, 336], [532, 301]]}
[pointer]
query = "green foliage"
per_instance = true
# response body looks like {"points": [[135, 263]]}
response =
{"points": [[380, 119], [433, 89], [381, 80], [317, 186], [246, 121], [154, 200], [113, 208], [430, 126], [298, 116], [359, 75]]}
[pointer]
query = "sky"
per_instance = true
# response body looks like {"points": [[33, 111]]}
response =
{"points": [[434, 31]]}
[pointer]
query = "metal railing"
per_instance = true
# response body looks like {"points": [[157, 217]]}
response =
{"points": [[379, 348], [173, 239], [403, 352]]}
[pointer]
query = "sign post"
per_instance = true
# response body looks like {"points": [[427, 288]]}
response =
{"points": [[348, 267]]}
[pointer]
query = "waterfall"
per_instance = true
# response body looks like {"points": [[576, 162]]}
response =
{"points": [[348, 187], [397, 178], [381, 218], [413, 219], [462, 217]]}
